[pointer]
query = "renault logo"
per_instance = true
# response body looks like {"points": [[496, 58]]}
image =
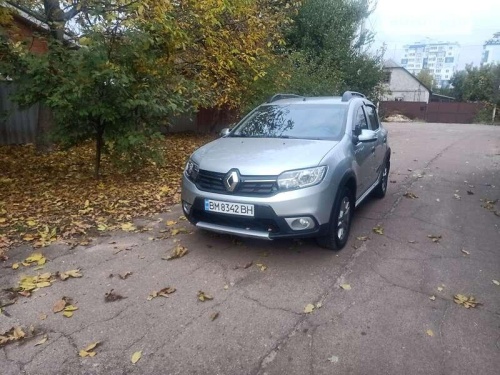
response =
{"points": [[231, 180]]}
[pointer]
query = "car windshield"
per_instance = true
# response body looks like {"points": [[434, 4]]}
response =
{"points": [[311, 121]]}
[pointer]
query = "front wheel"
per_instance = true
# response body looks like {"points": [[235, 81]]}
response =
{"points": [[340, 222], [381, 188]]}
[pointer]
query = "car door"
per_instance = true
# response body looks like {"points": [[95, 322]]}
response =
{"points": [[363, 154], [381, 144]]}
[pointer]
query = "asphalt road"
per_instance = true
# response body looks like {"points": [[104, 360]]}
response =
{"points": [[382, 325]]}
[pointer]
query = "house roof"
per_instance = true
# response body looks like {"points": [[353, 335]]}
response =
{"points": [[26, 15], [391, 64]]}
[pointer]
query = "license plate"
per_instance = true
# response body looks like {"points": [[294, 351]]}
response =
{"points": [[229, 208]]}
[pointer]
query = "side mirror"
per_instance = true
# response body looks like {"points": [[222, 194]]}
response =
{"points": [[225, 132], [367, 136]]}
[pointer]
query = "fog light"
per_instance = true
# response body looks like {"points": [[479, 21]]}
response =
{"points": [[186, 207], [300, 223]]}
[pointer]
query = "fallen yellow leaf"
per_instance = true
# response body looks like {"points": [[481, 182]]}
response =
{"points": [[202, 296], [42, 341], [15, 266], [36, 258], [309, 308], [13, 334], [136, 357], [176, 231], [161, 293], [128, 227], [71, 273], [171, 222], [178, 252], [70, 308], [262, 266], [465, 301], [410, 195], [102, 227], [89, 350], [496, 282], [68, 314], [43, 284], [91, 346], [430, 333], [345, 286], [379, 229]]}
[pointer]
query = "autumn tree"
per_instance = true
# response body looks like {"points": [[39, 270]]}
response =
{"points": [[127, 67]]}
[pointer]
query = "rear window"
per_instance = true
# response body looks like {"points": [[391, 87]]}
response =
{"points": [[312, 121]]}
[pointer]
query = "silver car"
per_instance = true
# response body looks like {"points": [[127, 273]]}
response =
{"points": [[294, 167]]}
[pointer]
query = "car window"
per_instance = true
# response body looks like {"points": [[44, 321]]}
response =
{"points": [[360, 119], [372, 117], [304, 121]]}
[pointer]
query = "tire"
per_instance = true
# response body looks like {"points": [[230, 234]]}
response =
{"points": [[381, 189], [337, 235]]}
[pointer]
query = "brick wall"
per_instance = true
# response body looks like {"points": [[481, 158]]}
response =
{"points": [[22, 30]]}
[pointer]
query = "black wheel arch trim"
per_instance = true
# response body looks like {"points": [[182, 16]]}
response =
{"points": [[346, 177], [388, 154]]}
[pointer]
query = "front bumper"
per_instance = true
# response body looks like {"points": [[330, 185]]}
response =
{"points": [[270, 212]]}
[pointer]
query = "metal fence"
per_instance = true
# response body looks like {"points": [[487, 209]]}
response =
{"points": [[17, 126], [462, 113]]}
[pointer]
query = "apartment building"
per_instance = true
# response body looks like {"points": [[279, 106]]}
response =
{"points": [[439, 58], [491, 50]]}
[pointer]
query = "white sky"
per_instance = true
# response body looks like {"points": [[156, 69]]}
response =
{"points": [[470, 23]]}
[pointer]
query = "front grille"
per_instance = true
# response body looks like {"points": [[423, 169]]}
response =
{"points": [[249, 185], [210, 181]]}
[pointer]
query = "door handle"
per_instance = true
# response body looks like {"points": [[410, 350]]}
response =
{"points": [[385, 139], [373, 149]]}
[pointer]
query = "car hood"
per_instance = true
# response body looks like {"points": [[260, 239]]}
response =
{"points": [[261, 156]]}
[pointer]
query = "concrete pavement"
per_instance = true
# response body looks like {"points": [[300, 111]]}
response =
{"points": [[380, 326]]}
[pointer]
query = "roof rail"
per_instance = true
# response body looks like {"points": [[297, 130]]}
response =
{"points": [[348, 95], [283, 96]]}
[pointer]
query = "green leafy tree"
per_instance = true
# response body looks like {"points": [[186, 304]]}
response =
{"points": [[329, 49], [477, 84], [426, 78]]}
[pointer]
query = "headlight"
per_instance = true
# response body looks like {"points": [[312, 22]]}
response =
{"points": [[301, 178], [191, 170]]}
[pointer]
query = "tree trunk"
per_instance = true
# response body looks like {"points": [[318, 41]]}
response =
{"points": [[44, 125], [99, 142]]}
